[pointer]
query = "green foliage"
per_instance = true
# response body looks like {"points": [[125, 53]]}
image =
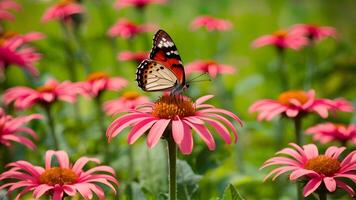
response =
{"points": [[231, 193]]}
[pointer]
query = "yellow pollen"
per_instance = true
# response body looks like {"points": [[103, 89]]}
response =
{"points": [[298, 95], [57, 175], [169, 107], [65, 2], [280, 33], [97, 75], [45, 88], [323, 165], [131, 95]]}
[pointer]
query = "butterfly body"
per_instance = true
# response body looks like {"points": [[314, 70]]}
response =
{"points": [[164, 70]]}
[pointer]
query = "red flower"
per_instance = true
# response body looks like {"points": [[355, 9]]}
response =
{"points": [[295, 103], [100, 81], [128, 101], [208, 66], [132, 56], [5, 7], [211, 23], [50, 92], [15, 51], [11, 127], [281, 39], [328, 132], [59, 181], [62, 11], [182, 115], [314, 32], [137, 3], [127, 29], [318, 170]]}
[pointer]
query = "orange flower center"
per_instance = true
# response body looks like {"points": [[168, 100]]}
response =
{"points": [[337, 125], [7, 35], [45, 88], [298, 95], [280, 33], [57, 175], [131, 95], [66, 2], [97, 75], [323, 165], [169, 107]]}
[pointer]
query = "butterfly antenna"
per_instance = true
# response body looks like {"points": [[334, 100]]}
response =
{"points": [[194, 80]]}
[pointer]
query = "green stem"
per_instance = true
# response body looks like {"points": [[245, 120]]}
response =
{"points": [[283, 74], [311, 65], [298, 130], [100, 119], [299, 191], [172, 157], [322, 195], [51, 125]]}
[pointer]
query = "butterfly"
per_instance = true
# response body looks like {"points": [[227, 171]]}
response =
{"points": [[163, 71]]}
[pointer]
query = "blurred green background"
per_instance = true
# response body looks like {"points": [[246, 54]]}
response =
{"points": [[256, 78]]}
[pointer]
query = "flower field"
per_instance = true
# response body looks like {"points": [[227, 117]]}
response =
{"points": [[177, 100]]}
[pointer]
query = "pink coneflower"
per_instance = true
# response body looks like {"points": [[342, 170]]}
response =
{"points": [[50, 92], [5, 7], [295, 103], [100, 81], [328, 132], [59, 181], [314, 32], [137, 57], [140, 4], [63, 11], [211, 23], [209, 66], [15, 51], [127, 29], [128, 101], [180, 115], [282, 40], [12, 127], [320, 171]]}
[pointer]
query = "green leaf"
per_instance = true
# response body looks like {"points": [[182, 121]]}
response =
{"points": [[231, 193], [187, 181]]}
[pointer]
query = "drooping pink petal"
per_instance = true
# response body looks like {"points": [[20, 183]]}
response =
{"points": [[156, 132], [311, 186]]}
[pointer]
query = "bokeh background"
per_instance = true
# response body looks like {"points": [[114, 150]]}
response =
{"points": [[203, 174]]}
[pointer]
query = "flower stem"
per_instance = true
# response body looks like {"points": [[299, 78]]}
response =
{"points": [[311, 65], [283, 75], [100, 119], [298, 130], [51, 125], [172, 155], [322, 195]]}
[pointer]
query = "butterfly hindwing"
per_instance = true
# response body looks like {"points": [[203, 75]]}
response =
{"points": [[153, 76]]}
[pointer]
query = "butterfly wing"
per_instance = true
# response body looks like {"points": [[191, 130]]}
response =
{"points": [[153, 76], [165, 52]]}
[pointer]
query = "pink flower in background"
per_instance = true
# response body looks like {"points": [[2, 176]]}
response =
{"points": [[5, 7], [12, 127], [62, 11], [319, 170], [281, 40], [100, 81], [50, 92], [182, 115], [132, 56], [295, 103], [314, 32], [328, 132], [15, 51], [209, 66], [127, 29], [211, 23], [128, 101], [140, 4], [59, 181]]}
